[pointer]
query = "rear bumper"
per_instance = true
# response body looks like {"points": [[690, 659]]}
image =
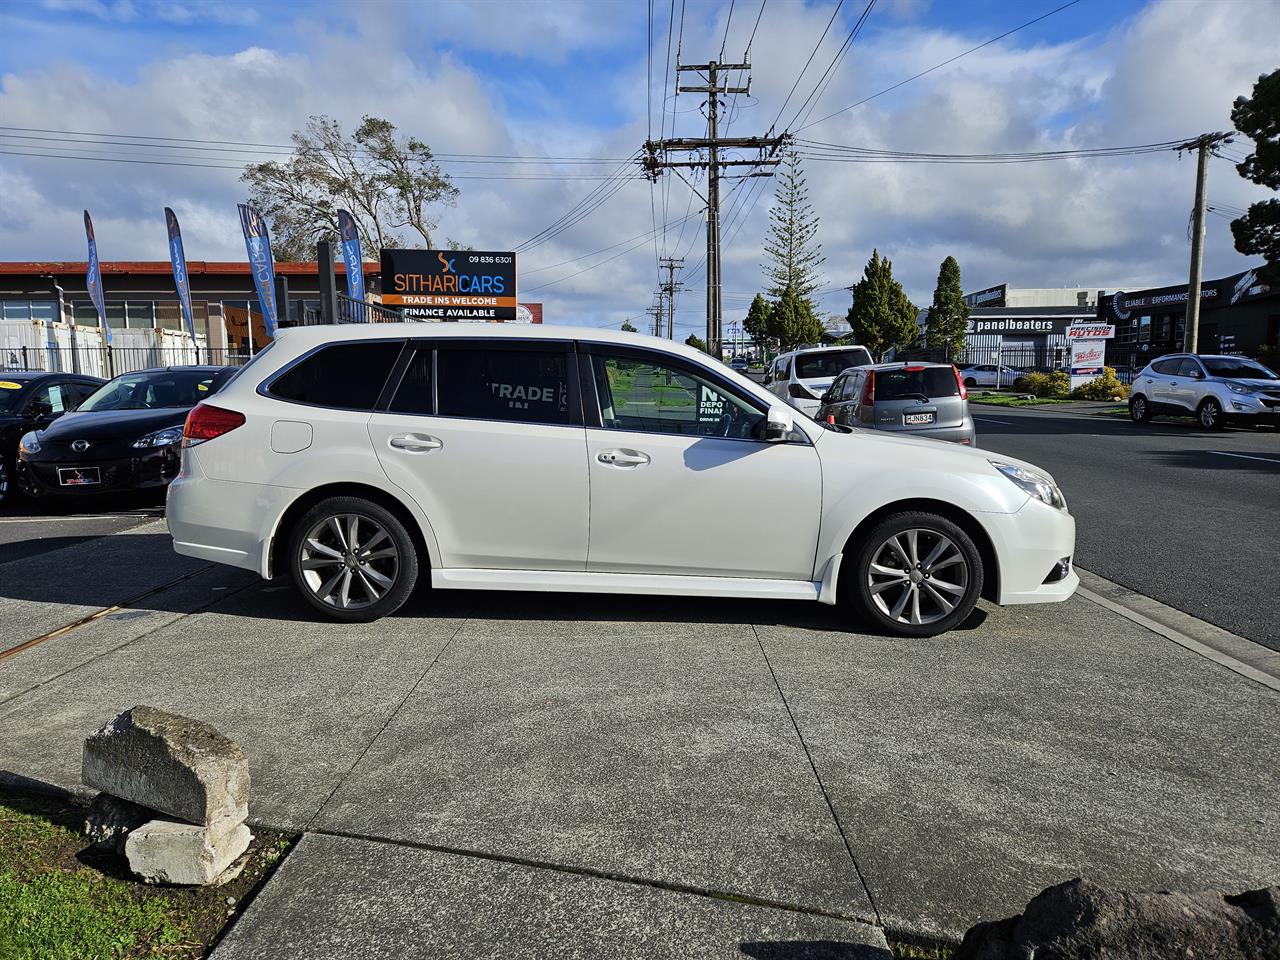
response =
{"points": [[964, 433], [224, 521]]}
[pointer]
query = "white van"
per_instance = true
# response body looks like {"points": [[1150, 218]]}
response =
{"points": [[802, 376]]}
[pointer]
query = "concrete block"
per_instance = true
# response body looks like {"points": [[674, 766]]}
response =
{"points": [[109, 820], [170, 763], [169, 851]]}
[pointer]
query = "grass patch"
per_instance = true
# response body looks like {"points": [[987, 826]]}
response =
{"points": [[1008, 400], [62, 899]]}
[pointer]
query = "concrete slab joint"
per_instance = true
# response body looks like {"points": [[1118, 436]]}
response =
{"points": [[147, 760]]}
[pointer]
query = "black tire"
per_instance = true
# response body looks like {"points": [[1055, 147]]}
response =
{"points": [[970, 382], [363, 577], [1139, 409], [856, 575], [1209, 413], [7, 483]]}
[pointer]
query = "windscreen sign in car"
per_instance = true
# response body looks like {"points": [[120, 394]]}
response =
{"points": [[462, 285]]}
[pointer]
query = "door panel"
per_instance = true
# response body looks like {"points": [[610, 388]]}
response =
{"points": [[501, 469], [682, 482]]}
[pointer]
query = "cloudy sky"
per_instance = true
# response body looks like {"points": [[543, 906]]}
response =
{"points": [[590, 79]]}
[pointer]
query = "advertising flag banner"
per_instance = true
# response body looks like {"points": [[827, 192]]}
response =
{"points": [[179, 261], [93, 280], [351, 256], [474, 286], [258, 243]]}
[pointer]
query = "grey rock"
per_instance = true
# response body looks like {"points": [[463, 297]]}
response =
{"points": [[109, 820], [1079, 920], [170, 763], [169, 851]]}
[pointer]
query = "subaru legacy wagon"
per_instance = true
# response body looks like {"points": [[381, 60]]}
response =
{"points": [[360, 460]]}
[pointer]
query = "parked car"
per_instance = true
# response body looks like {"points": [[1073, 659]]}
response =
{"points": [[801, 377], [989, 375], [1216, 390], [359, 458], [923, 399], [739, 364], [124, 437], [31, 401]]}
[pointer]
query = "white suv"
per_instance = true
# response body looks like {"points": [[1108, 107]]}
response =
{"points": [[801, 377], [360, 459]]}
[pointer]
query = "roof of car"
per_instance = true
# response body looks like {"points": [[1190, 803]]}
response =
{"points": [[27, 376], [822, 349], [200, 367], [899, 364], [315, 335]]}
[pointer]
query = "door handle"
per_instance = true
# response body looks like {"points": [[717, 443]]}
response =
{"points": [[415, 443], [623, 458]]}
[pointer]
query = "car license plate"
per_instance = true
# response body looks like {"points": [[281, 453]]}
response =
{"points": [[914, 419], [78, 476]]}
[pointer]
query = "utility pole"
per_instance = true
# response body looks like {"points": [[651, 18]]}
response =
{"points": [[669, 288], [1203, 145], [655, 312], [657, 158]]}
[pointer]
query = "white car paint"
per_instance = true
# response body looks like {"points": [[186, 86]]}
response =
{"points": [[503, 505], [784, 372]]}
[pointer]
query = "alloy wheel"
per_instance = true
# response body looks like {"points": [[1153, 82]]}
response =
{"points": [[1209, 412], [917, 576], [1139, 409], [349, 561]]}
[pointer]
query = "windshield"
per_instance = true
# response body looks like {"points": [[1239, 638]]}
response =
{"points": [[10, 391], [152, 391], [928, 382], [829, 363], [1237, 368]]}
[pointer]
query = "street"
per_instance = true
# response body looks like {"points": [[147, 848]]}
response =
{"points": [[1174, 512]]}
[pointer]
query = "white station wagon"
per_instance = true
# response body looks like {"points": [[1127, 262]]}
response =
{"points": [[363, 459]]}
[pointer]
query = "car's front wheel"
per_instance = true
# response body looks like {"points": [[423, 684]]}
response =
{"points": [[352, 559], [6, 483], [1139, 409], [916, 574], [1209, 414]]}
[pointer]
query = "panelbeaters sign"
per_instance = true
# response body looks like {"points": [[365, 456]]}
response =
{"points": [[467, 285]]}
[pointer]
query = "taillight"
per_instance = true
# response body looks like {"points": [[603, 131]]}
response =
{"points": [[869, 389], [964, 394], [205, 422]]}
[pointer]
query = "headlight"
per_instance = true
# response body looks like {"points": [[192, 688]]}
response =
{"points": [[161, 438], [1241, 388], [29, 443], [1042, 488]]}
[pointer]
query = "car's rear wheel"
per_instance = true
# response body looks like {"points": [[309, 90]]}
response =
{"points": [[1209, 413], [352, 559], [970, 382], [917, 574], [1139, 409]]}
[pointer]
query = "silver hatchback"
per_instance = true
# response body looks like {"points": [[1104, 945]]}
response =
{"points": [[923, 399]]}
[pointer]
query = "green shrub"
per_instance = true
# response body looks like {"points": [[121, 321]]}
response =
{"points": [[1105, 387], [1054, 385]]}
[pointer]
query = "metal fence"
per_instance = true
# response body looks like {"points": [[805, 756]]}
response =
{"points": [[113, 361], [1049, 358], [361, 311]]}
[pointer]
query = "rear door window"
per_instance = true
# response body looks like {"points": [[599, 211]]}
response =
{"points": [[930, 383], [1166, 367], [522, 386], [1189, 367], [416, 393], [344, 376]]}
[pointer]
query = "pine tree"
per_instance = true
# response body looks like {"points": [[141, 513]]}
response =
{"points": [[1258, 117], [793, 321], [882, 316], [793, 227], [696, 342], [758, 322], [947, 323]]}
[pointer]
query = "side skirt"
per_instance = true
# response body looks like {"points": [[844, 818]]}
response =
{"points": [[579, 581]]}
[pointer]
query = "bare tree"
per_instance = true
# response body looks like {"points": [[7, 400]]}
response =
{"points": [[389, 183]]}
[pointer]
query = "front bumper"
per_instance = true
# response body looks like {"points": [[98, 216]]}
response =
{"points": [[1029, 544], [147, 470]]}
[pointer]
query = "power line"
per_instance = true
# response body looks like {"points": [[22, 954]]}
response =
{"points": [[804, 69], [939, 66], [750, 39], [728, 20], [640, 236], [844, 153], [825, 80]]}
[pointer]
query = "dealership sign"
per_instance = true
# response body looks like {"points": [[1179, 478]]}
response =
{"points": [[1087, 359], [1091, 331], [465, 285]]}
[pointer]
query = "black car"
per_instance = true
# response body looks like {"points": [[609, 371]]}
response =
{"points": [[125, 437], [31, 401]]}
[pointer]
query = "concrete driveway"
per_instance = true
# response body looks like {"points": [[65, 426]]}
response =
{"points": [[741, 776]]}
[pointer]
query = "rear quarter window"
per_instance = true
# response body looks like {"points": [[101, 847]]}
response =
{"points": [[344, 376]]}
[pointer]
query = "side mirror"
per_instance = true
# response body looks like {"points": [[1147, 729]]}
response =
{"points": [[826, 397], [779, 424]]}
